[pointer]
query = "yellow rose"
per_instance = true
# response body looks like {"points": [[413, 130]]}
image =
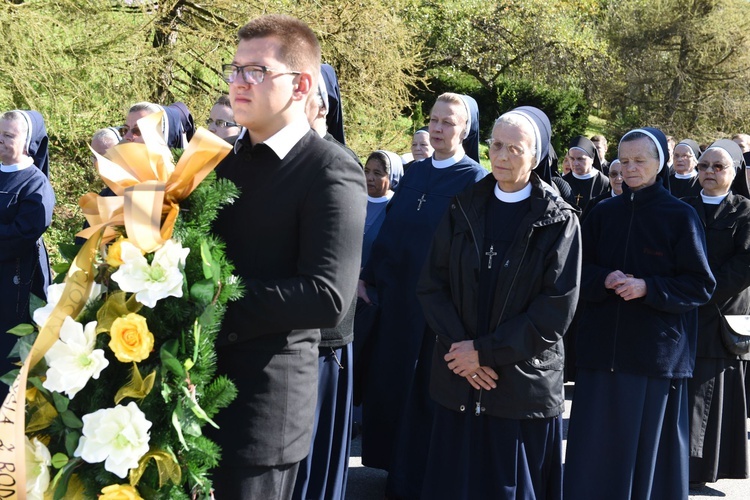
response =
{"points": [[119, 492], [130, 338]]}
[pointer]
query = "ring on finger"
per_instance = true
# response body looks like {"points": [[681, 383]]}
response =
{"points": [[474, 376]]}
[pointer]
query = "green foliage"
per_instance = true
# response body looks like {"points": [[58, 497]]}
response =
{"points": [[681, 65], [186, 394], [567, 109]]}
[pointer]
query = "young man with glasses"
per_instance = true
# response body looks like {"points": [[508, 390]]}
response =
{"points": [[297, 250]]}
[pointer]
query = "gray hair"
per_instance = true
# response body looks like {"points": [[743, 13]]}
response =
{"points": [[106, 136], [634, 136], [516, 120], [144, 106]]}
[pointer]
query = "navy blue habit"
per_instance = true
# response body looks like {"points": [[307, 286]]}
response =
{"points": [[26, 203], [397, 409]]}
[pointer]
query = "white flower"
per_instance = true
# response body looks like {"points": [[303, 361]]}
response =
{"points": [[116, 436], [162, 278], [54, 292], [38, 460], [72, 359]]}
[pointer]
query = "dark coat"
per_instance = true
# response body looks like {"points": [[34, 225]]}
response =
{"points": [[535, 299], [655, 237], [295, 238], [26, 204], [728, 244]]}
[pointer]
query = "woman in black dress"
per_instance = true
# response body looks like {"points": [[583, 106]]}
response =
{"points": [[499, 289], [718, 414]]}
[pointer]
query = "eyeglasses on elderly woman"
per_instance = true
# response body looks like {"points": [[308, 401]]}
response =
{"points": [[123, 130], [252, 74], [513, 149], [716, 167]]}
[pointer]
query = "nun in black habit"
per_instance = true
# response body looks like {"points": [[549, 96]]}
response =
{"points": [[683, 181], [586, 179], [26, 203], [718, 415], [499, 289]]}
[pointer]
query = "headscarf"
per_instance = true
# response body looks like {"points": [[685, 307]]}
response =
{"points": [[585, 145], [178, 125], [335, 115], [471, 136], [660, 140], [739, 185], [547, 167], [692, 145], [394, 167], [542, 130], [37, 142], [116, 131]]}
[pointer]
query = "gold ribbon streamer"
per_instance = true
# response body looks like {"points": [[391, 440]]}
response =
{"points": [[169, 469], [78, 284], [138, 387], [147, 187]]}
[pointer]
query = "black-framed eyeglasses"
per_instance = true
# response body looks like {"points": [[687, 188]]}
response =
{"points": [[221, 123], [252, 74], [135, 131]]}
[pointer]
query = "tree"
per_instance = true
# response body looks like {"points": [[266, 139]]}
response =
{"points": [[82, 64], [681, 65]]}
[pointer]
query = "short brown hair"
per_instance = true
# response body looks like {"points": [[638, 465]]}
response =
{"points": [[299, 47]]}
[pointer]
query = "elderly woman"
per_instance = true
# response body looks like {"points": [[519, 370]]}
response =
{"points": [[499, 290], [684, 181], [383, 170], [177, 125], [718, 419], [26, 203], [645, 273], [420, 144], [396, 408], [221, 119]]}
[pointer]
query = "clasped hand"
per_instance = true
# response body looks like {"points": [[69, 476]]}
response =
{"points": [[463, 360], [625, 285]]}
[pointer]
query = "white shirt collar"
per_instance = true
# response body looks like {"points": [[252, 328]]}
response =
{"points": [[692, 174], [381, 199], [712, 200], [514, 197], [282, 141], [583, 177], [448, 162], [26, 162]]}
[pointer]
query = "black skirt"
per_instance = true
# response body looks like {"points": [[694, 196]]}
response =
{"points": [[491, 457], [718, 420]]}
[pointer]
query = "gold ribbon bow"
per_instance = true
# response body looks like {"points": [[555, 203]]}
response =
{"points": [[148, 191], [148, 187]]}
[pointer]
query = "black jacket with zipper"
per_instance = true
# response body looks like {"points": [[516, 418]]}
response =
{"points": [[535, 298], [728, 252]]}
